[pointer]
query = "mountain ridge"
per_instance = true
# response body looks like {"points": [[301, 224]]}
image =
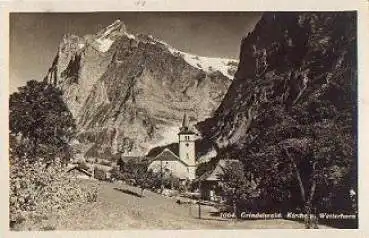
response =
{"points": [[132, 90]]}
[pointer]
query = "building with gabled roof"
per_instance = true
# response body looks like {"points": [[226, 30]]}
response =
{"points": [[218, 171], [211, 182], [169, 163], [181, 165]]}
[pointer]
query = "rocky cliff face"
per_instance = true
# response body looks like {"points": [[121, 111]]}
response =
{"points": [[297, 71], [128, 92]]}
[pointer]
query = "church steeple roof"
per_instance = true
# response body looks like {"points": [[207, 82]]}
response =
{"points": [[185, 122], [185, 129]]}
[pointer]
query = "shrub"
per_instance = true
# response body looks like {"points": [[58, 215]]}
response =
{"points": [[37, 190]]}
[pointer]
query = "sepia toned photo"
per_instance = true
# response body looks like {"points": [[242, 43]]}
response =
{"points": [[183, 120]]}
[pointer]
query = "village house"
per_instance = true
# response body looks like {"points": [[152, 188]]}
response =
{"points": [[210, 183]]}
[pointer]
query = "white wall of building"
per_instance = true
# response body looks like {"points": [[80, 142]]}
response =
{"points": [[177, 168]]}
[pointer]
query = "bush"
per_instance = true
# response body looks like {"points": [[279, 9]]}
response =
{"points": [[171, 182], [136, 174], [37, 190]]}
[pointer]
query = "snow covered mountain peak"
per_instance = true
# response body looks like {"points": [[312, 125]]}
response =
{"points": [[209, 64], [104, 39], [225, 66]]}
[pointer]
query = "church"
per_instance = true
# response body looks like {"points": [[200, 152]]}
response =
{"points": [[183, 163]]}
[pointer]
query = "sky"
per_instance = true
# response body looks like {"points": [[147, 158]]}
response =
{"points": [[34, 37]]}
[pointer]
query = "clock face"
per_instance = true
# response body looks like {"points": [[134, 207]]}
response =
{"points": [[187, 144]]}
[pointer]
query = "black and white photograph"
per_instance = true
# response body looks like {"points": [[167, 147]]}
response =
{"points": [[173, 120]]}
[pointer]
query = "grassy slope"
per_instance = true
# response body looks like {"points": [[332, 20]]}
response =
{"points": [[115, 210]]}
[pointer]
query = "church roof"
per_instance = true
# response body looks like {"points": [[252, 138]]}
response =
{"points": [[168, 155], [174, 147]]}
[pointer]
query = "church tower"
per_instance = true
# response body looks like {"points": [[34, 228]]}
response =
{"points": [[187, 147]]}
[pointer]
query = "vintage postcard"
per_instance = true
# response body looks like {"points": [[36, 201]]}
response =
{"points": [[162, 118]]}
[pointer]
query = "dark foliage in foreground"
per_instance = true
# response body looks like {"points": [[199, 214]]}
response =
{"points": [[290, 113], [41, 120], [41, 127]]}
